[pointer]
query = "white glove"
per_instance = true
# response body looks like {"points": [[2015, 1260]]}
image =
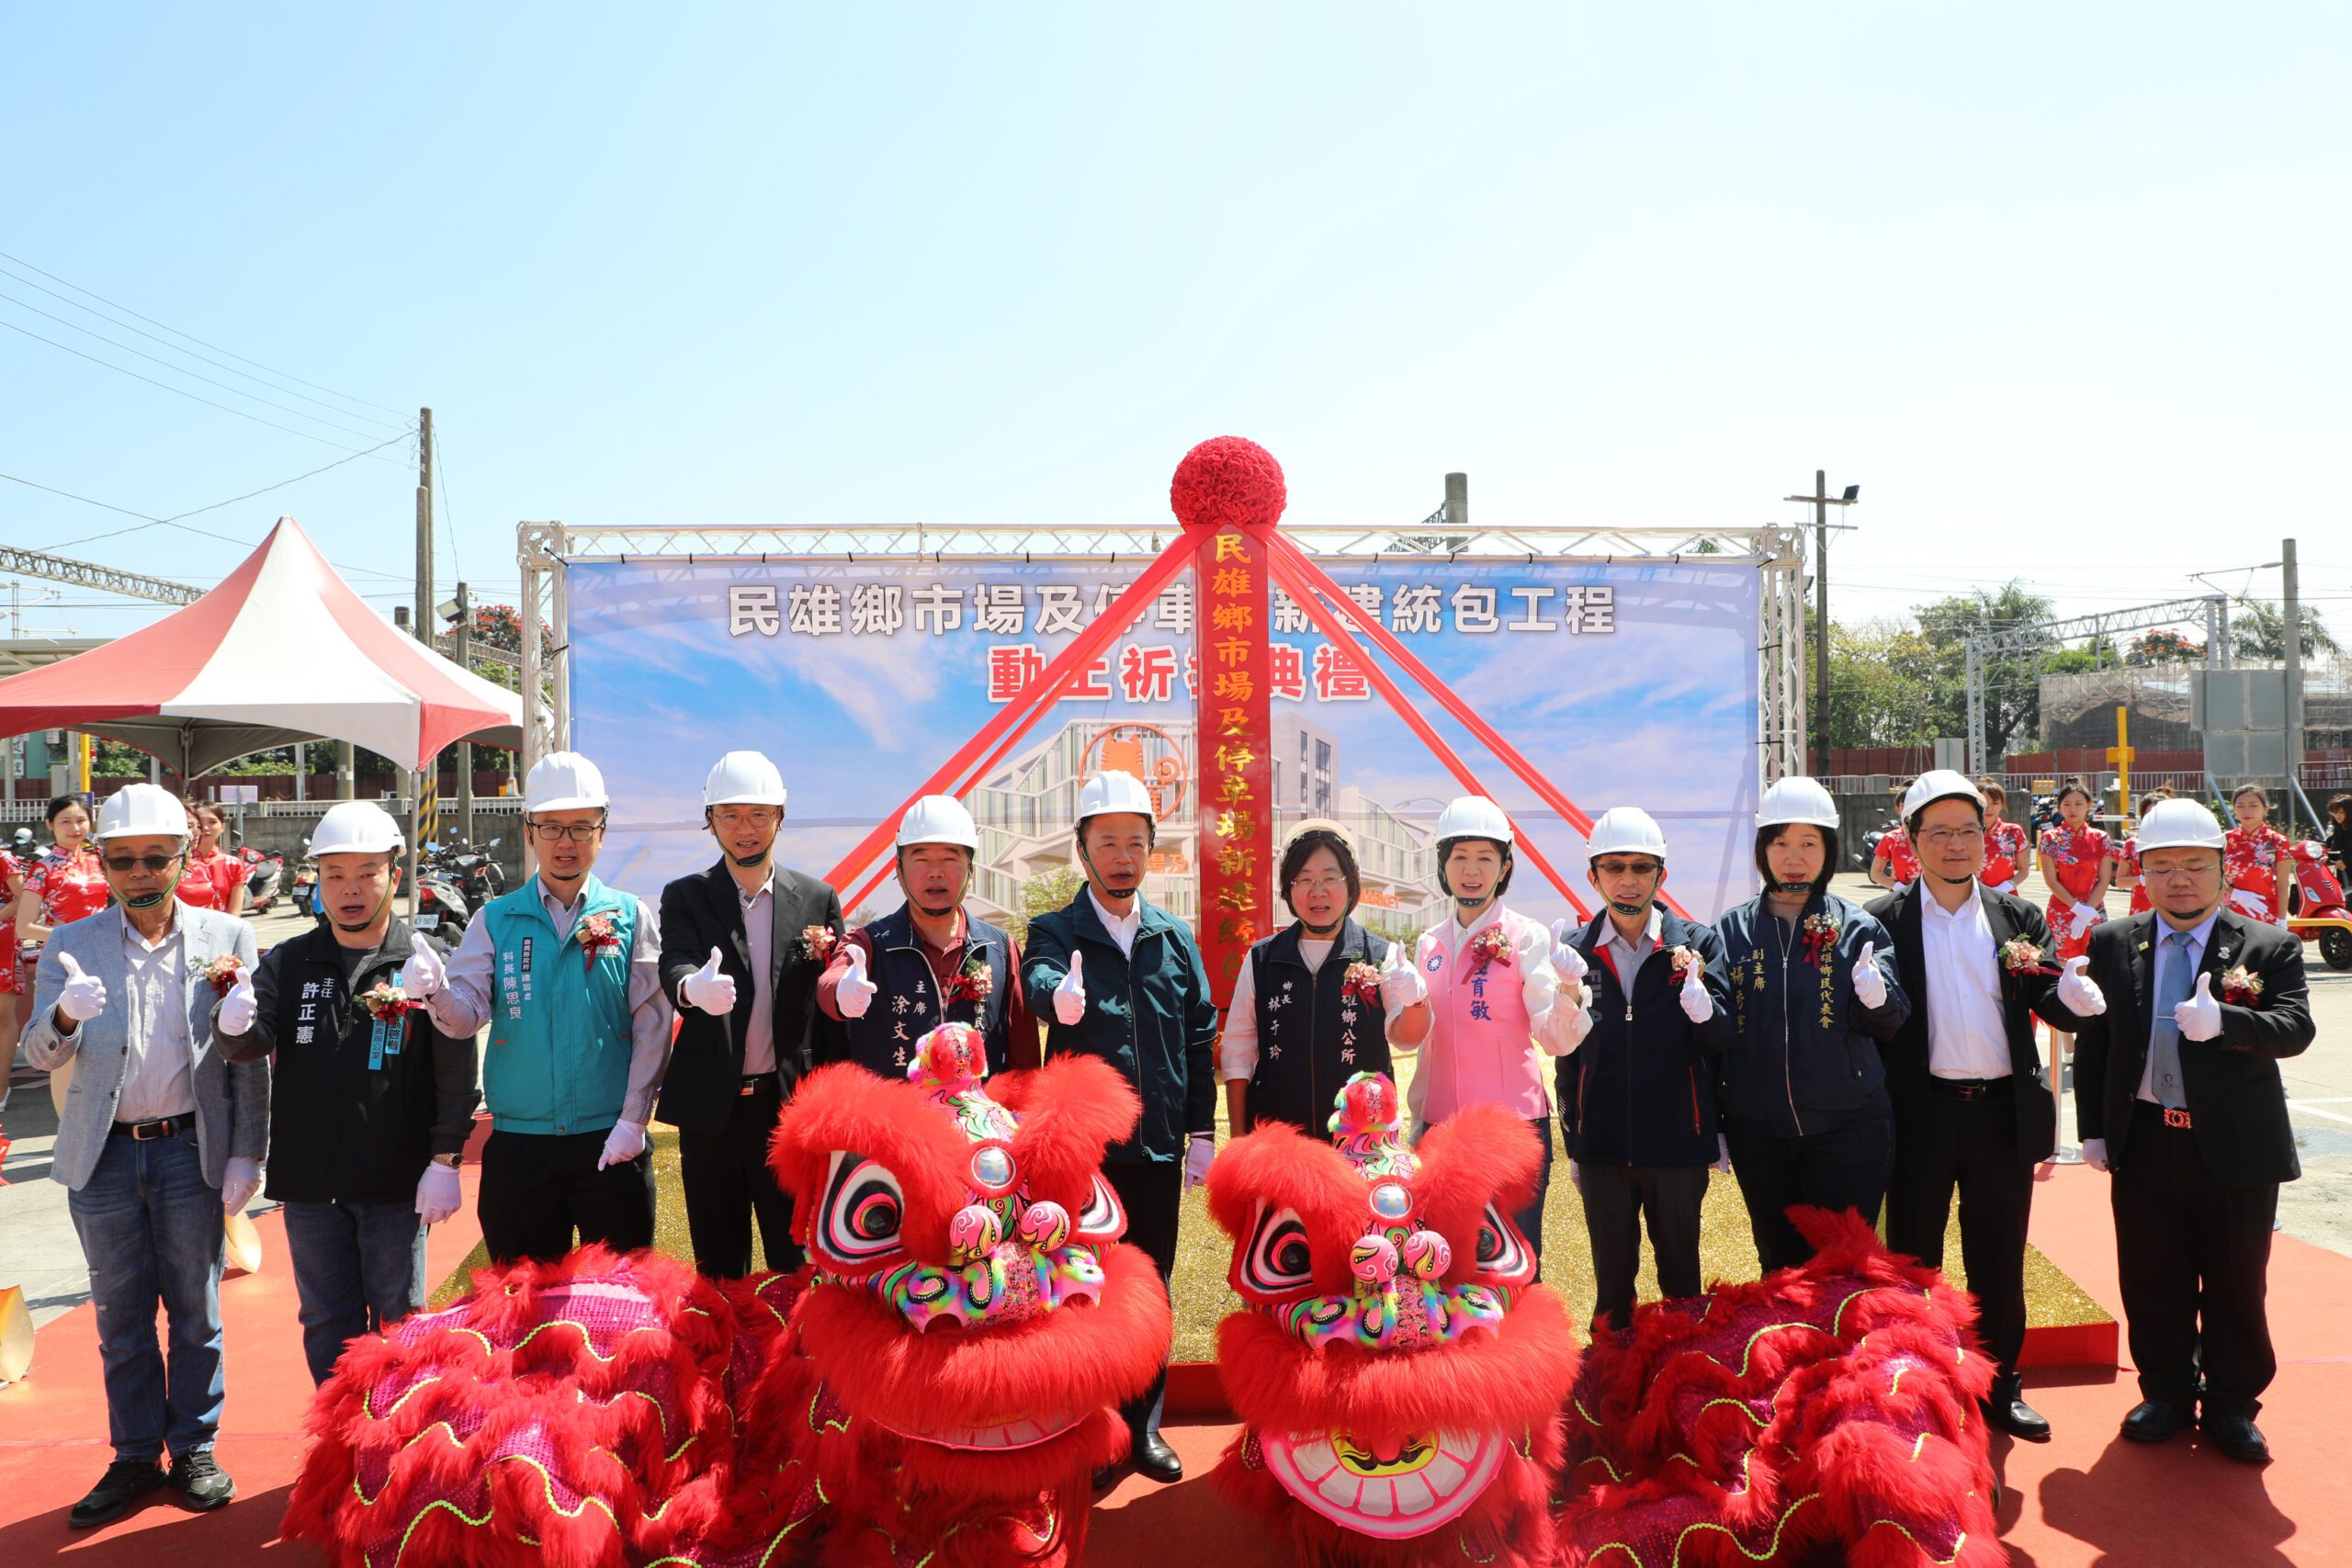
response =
{"points": [[423, 975], [1870, 986], [1722, 1154], [1199, 1153], [855, 992], [83, 997], [235, 1014], [240, 1179], [1400, 982], [2253, 904], [436, 1192], [709, 989], [2095, 1153], [1699, 1007], [2083, 919], [2008, 886], [622, 1145], [1069, 996], [1568, 960], [2199, 1018], [2077, 992]]}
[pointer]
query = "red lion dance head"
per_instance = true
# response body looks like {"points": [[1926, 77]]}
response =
{"points": [[1399, 1372], [937, 1385]]}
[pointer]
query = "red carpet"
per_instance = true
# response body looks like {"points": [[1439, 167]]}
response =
{"points": [[2086, 1498]]}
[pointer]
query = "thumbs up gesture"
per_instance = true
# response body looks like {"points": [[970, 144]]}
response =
{"points": [[1069, 996], [236, 1011], [855, 994], [1697, 1005], [1400, 982], [1567, 961], [423, 975], [709, 988], [85, 995], [1870, 986], [2199, 1018], [2077, 992]]}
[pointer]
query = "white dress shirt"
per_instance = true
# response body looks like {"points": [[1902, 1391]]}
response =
{"points": [[1236, 1047], [158, 1078], [1967, 1036], [759, 935], [1627, 957], [2201, 933], [1124, 929]]}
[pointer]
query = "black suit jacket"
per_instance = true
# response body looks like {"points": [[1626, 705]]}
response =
{"points": [[2237, 1105], [703, 911], [1909, 1083]]}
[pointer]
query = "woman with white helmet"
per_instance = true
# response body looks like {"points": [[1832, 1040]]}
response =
{"points": [[1813, 992]]}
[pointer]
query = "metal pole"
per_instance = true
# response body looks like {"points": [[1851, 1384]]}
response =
{"points": [[424, 526], [1457, 501], [347, 770], [2290, 606], [1821, 615]]}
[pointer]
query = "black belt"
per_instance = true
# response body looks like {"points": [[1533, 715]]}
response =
{"points": [[752, 1083], [1973, 1089], [148, 1132], [2174, 1117]]}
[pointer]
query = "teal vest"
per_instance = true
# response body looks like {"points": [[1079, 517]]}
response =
{"points": [[557, 1057]]}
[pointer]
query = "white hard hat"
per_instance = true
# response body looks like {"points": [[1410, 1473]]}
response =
{"points": [[142, 810], [1320, 825], [564, 780], [356, 827], [1797, 800], [2178, 825], [938, 819], [1114, 791], [1938, 783], [1625, 829], [1472, 817], [743, 778]]}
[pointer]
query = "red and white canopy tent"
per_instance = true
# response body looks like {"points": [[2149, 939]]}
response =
{"points": [[283, 651]]}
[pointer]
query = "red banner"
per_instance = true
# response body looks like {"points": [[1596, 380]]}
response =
{"points": [[1234, 753]]}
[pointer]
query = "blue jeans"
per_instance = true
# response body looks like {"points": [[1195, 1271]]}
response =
{"points": [[357, 1266], [151, 1229]]}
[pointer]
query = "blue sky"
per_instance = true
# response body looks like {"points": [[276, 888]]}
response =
{"points": [[2060, 287]]}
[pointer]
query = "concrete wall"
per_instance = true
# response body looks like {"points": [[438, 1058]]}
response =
{"points": [[284, 827]]}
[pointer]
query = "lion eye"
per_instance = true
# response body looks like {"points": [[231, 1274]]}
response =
{"points": [[1279, 1259], [864, 1211]]}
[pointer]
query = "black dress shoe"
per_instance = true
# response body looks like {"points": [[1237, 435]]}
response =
{"points": [[202, 1484], [1157, 1460], [1107, 1477], [2237, 1437], [2155, 1421], [125, 1482], [2006, 1408]]}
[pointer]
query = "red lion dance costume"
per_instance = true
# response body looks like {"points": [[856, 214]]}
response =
{"points": [[936, 1387]]}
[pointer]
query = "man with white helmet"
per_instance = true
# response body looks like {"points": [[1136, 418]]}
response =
{"points": [[567, 973], [932, 961], [1129, 986], [371, 1104], [1637, 1096], [738, 959], [161, 1139], [2180, 1102], [1974, 1108], [1493, 995]]}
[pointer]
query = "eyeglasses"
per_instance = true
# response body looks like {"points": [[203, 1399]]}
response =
{"points": [[1939, 837], [124, 865], [1319, 884], [578, 833]]}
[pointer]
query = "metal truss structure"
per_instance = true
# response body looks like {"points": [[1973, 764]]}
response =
{"points": [[544, 549], [85, 574], [1998, 647]]}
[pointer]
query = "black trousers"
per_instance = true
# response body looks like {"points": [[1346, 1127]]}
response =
{"points": [[1971, 1144], [1842, 1166], [1153, 1197], [1616, 1198], [537, 1187], [2193, 1257], [728, 1185]]}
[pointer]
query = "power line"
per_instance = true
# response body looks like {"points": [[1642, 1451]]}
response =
{"points": [[441, 473], [193, 338], [148, 520]]}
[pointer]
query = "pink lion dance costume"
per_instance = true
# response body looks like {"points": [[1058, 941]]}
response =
{"points": [[936, 1387], [1399, 1373]]}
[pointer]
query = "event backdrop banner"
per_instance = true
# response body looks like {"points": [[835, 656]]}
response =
{"points": [[1623, 684]]}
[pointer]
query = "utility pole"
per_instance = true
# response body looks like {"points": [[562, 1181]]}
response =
{"points": [[466, 748], [424, 621], [1822, 501], [2290, 607]]}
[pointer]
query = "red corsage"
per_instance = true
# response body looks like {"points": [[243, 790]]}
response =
{"points": [[223, 972], [972, 982], [2020, 956], [1820, 931], [1490, 946], [596, 936], [385, 1000], [816, 943], [1361, 984], [1682, 960], [2242, 988]]}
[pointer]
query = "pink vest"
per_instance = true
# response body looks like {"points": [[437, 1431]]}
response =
{"points": [[1481, 1048]]}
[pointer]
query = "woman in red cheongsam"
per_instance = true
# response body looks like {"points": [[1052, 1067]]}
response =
{"points": [[214, 879], [63, 884], [2255, 858], [12, 883], [2125, 856], [2007, 858], [2074, 864], [1895, 863]]}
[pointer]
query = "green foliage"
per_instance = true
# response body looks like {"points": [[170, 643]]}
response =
{"points": [[1043, 893], [2258, 630]]}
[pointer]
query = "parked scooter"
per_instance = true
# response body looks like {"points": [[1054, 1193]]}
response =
{"points": [[2315, 906], [440, 904], [264, 878]]}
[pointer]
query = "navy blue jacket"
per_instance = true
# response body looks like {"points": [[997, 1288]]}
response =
{"points": [[1641, 1089], [1312, 1040], [1805, 1051]]}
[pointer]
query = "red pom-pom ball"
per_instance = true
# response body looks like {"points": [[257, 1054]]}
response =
{"points": [[1227, 481]]}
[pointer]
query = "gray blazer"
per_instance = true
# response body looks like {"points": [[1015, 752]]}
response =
{"points": [[231, 1098]]}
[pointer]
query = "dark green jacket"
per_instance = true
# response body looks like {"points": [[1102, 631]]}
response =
{"points": [[1151, 1018]]}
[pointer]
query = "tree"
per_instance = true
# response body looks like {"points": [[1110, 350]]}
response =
{"points": [[2164, 647], [2258, 630], [1042, 893], [2012, 682], [1881, 685]]}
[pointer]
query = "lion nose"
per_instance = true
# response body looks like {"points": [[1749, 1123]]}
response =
{"points": [[1373, 1260], [973, 1232]]}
